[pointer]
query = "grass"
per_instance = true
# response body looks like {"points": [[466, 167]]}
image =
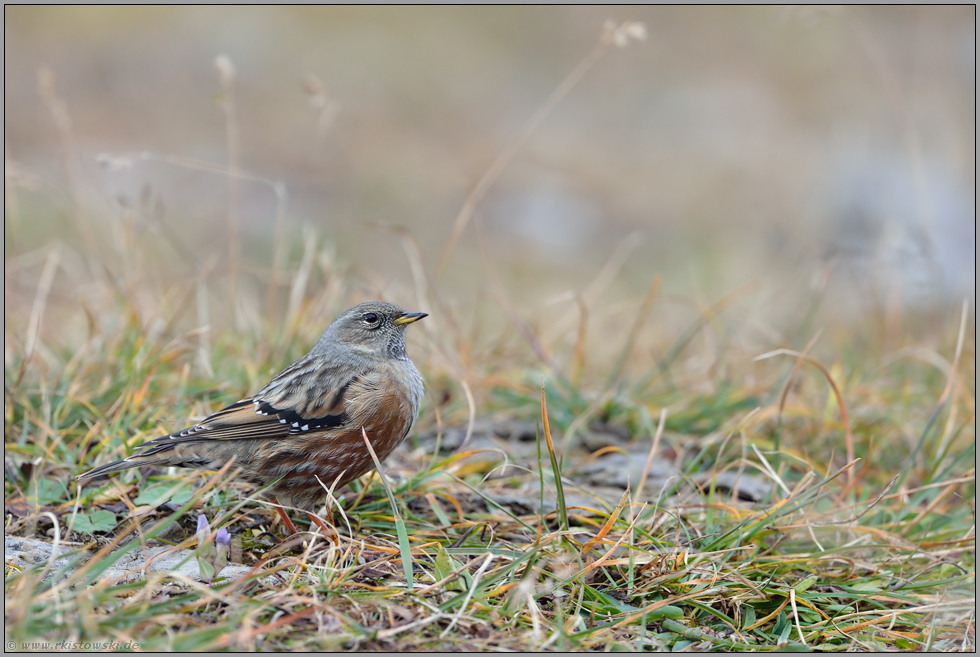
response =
{"points": [[864, 540], [875, 554]]}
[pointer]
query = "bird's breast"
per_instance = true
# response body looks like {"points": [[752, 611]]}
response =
{"points": [[384, 405]]}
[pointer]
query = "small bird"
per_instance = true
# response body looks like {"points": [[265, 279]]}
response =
{"points": [[307, 422]]}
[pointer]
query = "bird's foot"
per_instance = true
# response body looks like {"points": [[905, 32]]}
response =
{"points": [[328, 531], [290, 527]]}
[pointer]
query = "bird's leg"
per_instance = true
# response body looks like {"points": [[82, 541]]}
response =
{"points": [[328, 531], [285, 518]]}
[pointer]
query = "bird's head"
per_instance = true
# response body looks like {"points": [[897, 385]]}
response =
{"points": [[373, 329]]}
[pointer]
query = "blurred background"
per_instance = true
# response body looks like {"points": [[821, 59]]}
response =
{"points": [[792, 165]]}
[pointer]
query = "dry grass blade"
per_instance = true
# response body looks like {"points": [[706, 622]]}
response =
{"points": [[613, 517], [505, 156], [654, 447], [403, 544], [555, 466], [40, 301], [641, 317], [848, 436]]}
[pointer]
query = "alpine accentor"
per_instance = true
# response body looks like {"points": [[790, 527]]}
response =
{"points": [[307, 422]]}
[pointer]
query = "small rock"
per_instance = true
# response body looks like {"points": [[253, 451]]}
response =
{"points": [[517, 430], [600, 434], [514, 431], [136, 565], [26, 553], [624, 469], [449, 441], [527, 500], [748, 487]]}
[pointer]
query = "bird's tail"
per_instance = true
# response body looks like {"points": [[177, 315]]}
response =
{"points": [[103, 470], [158, 455]]}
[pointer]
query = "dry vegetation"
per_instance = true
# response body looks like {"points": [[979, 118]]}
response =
{"points": [[600, 472]]}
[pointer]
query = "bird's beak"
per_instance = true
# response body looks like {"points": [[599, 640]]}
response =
{"points": [[408, 318]]}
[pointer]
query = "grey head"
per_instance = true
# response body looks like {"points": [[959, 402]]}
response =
{"points": [[374, 329]]}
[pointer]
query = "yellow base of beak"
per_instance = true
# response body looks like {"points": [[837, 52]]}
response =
{"points": [[408, 318]]}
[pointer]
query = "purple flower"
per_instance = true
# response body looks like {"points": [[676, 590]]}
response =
{"points": [[203, 529], [212, 554], [223, 540]]}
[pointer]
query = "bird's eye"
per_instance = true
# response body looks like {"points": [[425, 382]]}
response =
{"points": [[371, 318]]}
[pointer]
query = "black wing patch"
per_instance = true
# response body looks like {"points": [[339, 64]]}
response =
{"points": [[297, 423], [256, 418]]}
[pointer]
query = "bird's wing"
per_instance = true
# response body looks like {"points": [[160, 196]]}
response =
{"points": [[301, 399]]}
